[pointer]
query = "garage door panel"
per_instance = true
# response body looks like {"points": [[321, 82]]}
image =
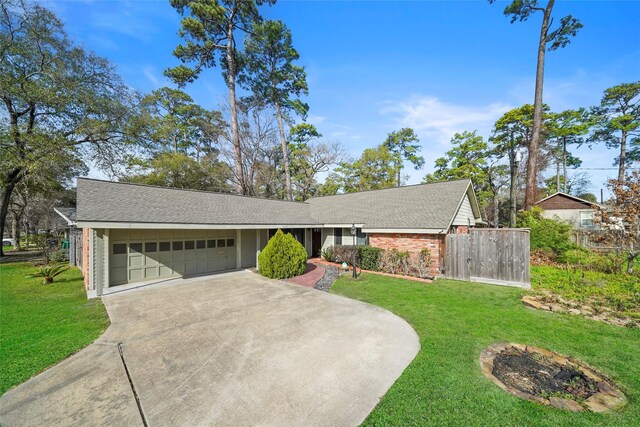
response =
{"points": [[141, 255]]}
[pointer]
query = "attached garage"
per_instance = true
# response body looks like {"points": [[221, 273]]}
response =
{"points": [[142, 255]]}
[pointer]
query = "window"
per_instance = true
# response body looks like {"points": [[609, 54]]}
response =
{"points": [[586, 219], [230, 243], [362, 238], [150, 247], [177, 246], [201, 244], [189, 244], [337, 236], [221, 243], [211, 243], [119, 248], [165, 246], [135, 247]]}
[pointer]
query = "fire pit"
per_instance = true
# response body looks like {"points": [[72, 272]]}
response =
{"points": [[548, 378]]}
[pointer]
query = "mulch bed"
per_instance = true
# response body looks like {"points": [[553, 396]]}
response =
{"points": [[542, 376]]}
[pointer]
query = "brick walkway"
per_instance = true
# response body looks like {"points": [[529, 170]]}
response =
{"points": [[311, 276]]}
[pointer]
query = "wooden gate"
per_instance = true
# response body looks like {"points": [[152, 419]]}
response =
{"points": [[491, 255]]}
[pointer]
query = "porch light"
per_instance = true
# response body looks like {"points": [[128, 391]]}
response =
{"points": [[354, 230]]}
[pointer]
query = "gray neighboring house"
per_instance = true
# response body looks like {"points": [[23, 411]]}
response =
{"points": [[135, 234], [573, 210]]}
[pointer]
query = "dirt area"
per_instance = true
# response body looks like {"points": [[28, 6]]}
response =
{"points": [[539, 375]]}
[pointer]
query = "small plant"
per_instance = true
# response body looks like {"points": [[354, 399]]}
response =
{"points": [[422, 263], [48, 272], [343, 253], [327, 254], [58, 256]]}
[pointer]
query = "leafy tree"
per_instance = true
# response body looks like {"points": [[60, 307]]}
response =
{"points": [[618, 119], [273, 78], [372, 171], [546, 233], [511, 133], [620, 220], [590, 197], [171, 121], [577, 183], [565, 128], [308, 159], [208, 28], [61, 102], [471, 158], [522, 10], [400, 144], [181, 171]]}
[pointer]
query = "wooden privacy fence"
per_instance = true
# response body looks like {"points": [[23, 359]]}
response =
{"points": [[491, 255]]}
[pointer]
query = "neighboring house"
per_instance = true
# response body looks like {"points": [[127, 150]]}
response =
{"points": [[72, 234], [137, 233], [571, 209]]}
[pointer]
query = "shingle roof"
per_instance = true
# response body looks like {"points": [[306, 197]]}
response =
{"points": [[104, 201], [422, 206], [68, 214]]}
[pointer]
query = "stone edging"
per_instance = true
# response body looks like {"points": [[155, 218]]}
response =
{"points": [[607, 399], [538, 302]]}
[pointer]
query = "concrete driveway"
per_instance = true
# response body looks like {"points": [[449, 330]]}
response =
{"points": [[233, 349]]}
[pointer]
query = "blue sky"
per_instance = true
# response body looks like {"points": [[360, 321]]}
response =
{"points": [[374, 66]]}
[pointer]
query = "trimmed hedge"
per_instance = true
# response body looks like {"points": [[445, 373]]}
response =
{"points": [[283, 257], [369, 257]]}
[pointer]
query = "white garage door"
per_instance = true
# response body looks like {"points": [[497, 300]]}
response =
{"points": [[141, 255]]}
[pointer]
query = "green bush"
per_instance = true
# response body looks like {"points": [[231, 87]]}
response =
{"points": [[59, 256], [283, 257], [546, 233], [369, 258]]}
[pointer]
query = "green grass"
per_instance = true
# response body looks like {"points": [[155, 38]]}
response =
{"points": [[621, 292], [455, 321], [7, 248], [43, 324]]}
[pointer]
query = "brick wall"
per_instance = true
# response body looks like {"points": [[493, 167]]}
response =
{"points": [[85, 255], [461, 229], [412, 243]]}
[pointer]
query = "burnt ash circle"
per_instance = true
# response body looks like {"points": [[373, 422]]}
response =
{"points": [[548, 378]]}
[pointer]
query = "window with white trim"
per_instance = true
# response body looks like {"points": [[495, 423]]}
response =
{"points": [[586, 219]]}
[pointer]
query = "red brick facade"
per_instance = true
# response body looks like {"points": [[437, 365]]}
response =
{"points": [[413, 243], [85, 256]]}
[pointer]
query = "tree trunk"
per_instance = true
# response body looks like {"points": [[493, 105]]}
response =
{"points": [[623, 156], [513, 171], [12, 179], [534, 144], [564, 164], [285, 153], [235, 136], [557, 175], [15, 232], [398, 168]]}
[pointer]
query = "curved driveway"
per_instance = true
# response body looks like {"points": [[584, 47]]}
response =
{"points": [[232, 349]]}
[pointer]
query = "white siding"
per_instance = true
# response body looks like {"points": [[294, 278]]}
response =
{"points": [[248, 248], [465, 214], [327, 238]]}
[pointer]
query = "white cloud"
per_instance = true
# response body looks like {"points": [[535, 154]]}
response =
{"points": [[316, 119], [148, 72], [429, 116]]}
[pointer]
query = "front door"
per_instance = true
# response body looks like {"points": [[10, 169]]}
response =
{"points": [[316, 242]]}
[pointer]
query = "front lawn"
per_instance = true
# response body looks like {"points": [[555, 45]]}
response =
{"points": [[455, 322], [42, 324]]}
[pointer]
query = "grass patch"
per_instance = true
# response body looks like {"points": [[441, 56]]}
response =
{"points": [[7, 248], [455, 322], [43, 324], [620, 292]]}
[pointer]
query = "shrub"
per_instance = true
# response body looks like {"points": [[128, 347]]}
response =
{"points": [[48, 272], [343, 253], [546, 233], [421, 263], [327, 254], [59, 256], [369, 258], [588, 260], [283, 257], [395, 262]]}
